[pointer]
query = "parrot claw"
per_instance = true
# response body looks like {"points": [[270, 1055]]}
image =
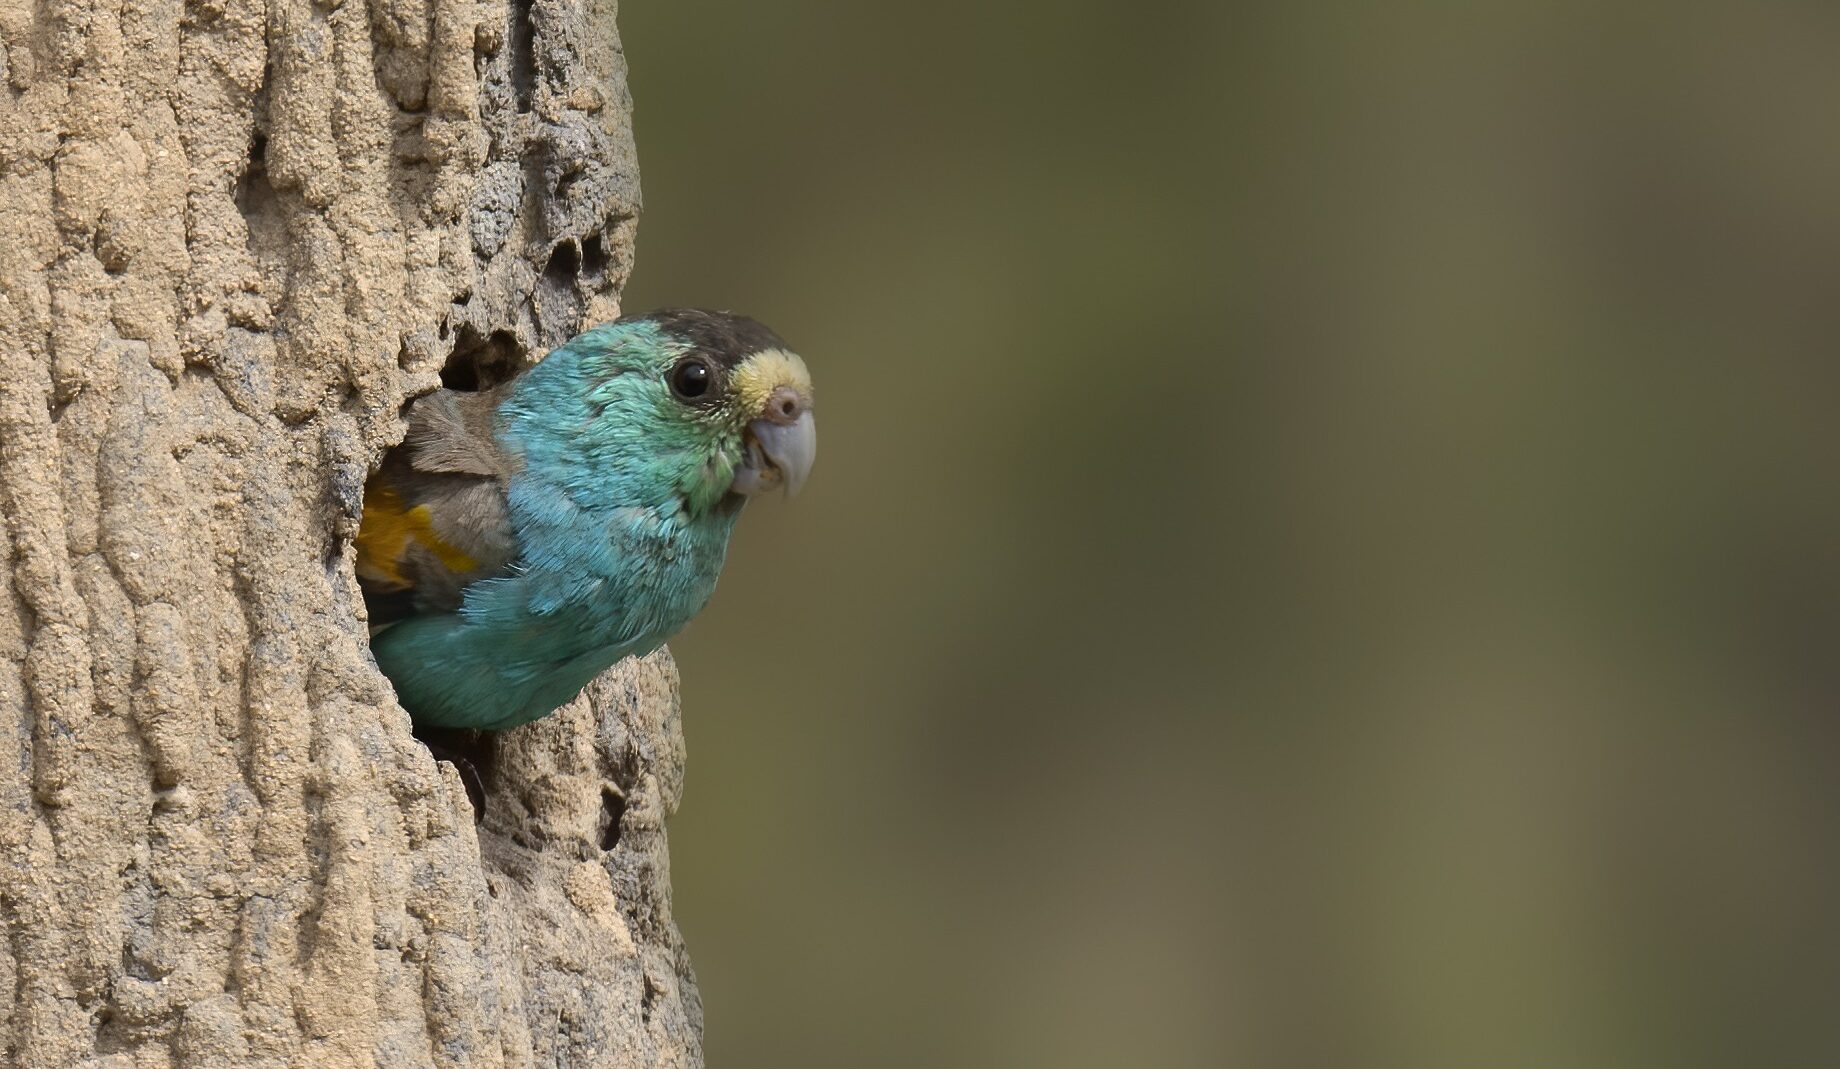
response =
{"points": [[452, 748], [475, 787]]}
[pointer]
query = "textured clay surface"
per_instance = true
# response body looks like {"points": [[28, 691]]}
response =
{"points": [[234, 239]]}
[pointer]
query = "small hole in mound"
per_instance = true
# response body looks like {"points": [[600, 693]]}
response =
{"points": [[557, 299], [613, 809], [480, 363], [257, 200], [593, 258], [647, 1000], [566, 184], [522, 34], [564, 264]]}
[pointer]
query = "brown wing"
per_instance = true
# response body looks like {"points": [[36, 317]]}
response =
{"points": [[434, 514]]}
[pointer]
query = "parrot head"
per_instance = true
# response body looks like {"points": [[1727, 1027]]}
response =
{"points": [[709, 408]]}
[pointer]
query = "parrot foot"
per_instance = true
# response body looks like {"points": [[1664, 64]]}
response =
{"points": [[460, 749]]}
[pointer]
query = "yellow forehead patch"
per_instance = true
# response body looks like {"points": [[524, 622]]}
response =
{"points": [[759, 375]]}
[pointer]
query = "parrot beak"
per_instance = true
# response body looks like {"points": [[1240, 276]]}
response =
{"points": [[779, 448]]}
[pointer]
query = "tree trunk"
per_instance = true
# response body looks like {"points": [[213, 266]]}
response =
{"points": [[234, 240]]}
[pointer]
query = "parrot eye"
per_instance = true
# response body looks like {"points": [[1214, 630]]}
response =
{"points": [[692, 378]]}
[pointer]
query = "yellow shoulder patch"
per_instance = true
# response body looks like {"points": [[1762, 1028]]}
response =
{"points": [[386, 531]]}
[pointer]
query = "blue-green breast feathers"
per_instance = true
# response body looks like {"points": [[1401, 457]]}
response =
{"points": [[609, 477]]}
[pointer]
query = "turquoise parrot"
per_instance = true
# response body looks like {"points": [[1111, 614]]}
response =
{"points": [[524, 538]]}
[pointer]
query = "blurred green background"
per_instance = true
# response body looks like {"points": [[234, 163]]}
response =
{"points": [[1323, 551]]}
